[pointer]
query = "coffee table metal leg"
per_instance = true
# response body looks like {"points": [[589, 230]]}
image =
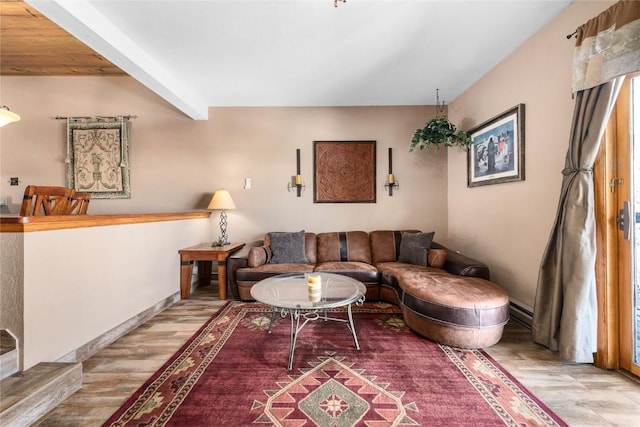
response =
{"points": [[352, 328], [296, 327], [294, 334], [273, 317]]}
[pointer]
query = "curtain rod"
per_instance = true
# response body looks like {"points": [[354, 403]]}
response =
{"points": [[572, 34], [96, 117]]}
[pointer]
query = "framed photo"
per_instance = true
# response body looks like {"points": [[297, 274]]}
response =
{"points": [[344, 171], [497, 152], [98, 157]]}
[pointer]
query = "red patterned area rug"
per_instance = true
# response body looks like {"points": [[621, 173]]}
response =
{"points": [[233, 373]]}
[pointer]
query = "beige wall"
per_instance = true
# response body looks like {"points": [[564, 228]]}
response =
{"points": [[177, 163], [104, 278], [507, 225]]}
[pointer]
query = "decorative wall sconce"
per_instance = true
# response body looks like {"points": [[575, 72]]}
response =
{"points": [[296, 181], [391, 183]]}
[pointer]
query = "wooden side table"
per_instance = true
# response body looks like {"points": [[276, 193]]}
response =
{"points": [[205, 252]]}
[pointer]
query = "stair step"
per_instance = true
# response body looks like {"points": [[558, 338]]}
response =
{"points": [[26, 396]]}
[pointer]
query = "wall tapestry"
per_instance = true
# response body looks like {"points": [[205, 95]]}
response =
{"points": [[344, 171], [98, 156]]}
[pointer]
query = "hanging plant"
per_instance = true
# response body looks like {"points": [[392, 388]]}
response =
{"points": [[439, 131]]}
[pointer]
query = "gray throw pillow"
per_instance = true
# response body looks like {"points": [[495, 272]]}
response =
{"points": [[414, 247], [287, 247]]}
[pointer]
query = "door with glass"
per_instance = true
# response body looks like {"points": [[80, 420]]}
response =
{"points": [[628, 201]]}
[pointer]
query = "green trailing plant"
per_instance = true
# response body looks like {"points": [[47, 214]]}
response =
{"points": [[439, 132]]}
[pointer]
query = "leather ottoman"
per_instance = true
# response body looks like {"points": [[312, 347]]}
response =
{"points": [[459, 311]]}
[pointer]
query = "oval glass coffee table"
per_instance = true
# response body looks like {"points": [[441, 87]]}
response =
{"points": [[291, 295]]}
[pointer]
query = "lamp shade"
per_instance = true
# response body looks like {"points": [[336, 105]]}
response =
{"points": [[221, 200], [7, 116]]}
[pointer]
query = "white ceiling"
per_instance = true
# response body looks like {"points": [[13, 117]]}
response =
{"points": [[197, 54]]}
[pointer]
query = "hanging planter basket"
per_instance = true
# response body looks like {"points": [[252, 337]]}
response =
{"points": [[439, 132]]}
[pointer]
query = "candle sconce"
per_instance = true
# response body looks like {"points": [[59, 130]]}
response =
{"points": [[296, 181], [391, 183]]}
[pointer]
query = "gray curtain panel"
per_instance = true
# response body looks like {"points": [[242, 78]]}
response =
{"points": [[565, 311]]}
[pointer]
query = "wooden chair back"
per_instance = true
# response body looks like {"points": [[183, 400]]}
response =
{"points": [[45, 200], [79, 203]]}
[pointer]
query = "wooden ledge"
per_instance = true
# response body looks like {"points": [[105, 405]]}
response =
{"points": [[24, 224]]}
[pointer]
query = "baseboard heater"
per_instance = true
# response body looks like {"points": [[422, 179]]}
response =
{"points": [[521, 314]]}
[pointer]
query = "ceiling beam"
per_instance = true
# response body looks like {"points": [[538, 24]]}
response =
{"points": [[88, 25]]}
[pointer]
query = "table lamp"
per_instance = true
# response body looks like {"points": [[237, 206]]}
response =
{"points": [[222, 201]]}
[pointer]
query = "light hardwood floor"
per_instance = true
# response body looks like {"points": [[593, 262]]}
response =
{"points": [[582, 395]]}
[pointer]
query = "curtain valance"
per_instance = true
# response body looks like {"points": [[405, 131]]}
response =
{"points": [[607, 46]]}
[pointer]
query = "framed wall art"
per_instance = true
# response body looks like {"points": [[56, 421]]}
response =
{"points": [[344, 171], [98, 156], [497, 152]]}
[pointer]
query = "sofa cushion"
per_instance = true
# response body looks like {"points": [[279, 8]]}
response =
{"points": [[385, 245], [343, 246], [288, 247], [358, 270], [437, 258], [259, 255], [268, 270], [398, 268], [414, 247]]}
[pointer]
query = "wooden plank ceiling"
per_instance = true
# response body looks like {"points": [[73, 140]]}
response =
{"points": [[32, 45]]}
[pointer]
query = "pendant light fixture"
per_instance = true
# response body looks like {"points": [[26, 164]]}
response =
{"points": [[7, 116]]}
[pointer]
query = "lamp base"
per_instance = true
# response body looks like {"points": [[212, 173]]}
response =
{"points": [[223, 239], [220, 242]]}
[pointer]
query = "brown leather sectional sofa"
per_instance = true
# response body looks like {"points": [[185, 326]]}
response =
{"points": [[447, 297]]}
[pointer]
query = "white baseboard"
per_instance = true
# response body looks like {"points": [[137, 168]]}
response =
{"points": [[521, 313]]}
